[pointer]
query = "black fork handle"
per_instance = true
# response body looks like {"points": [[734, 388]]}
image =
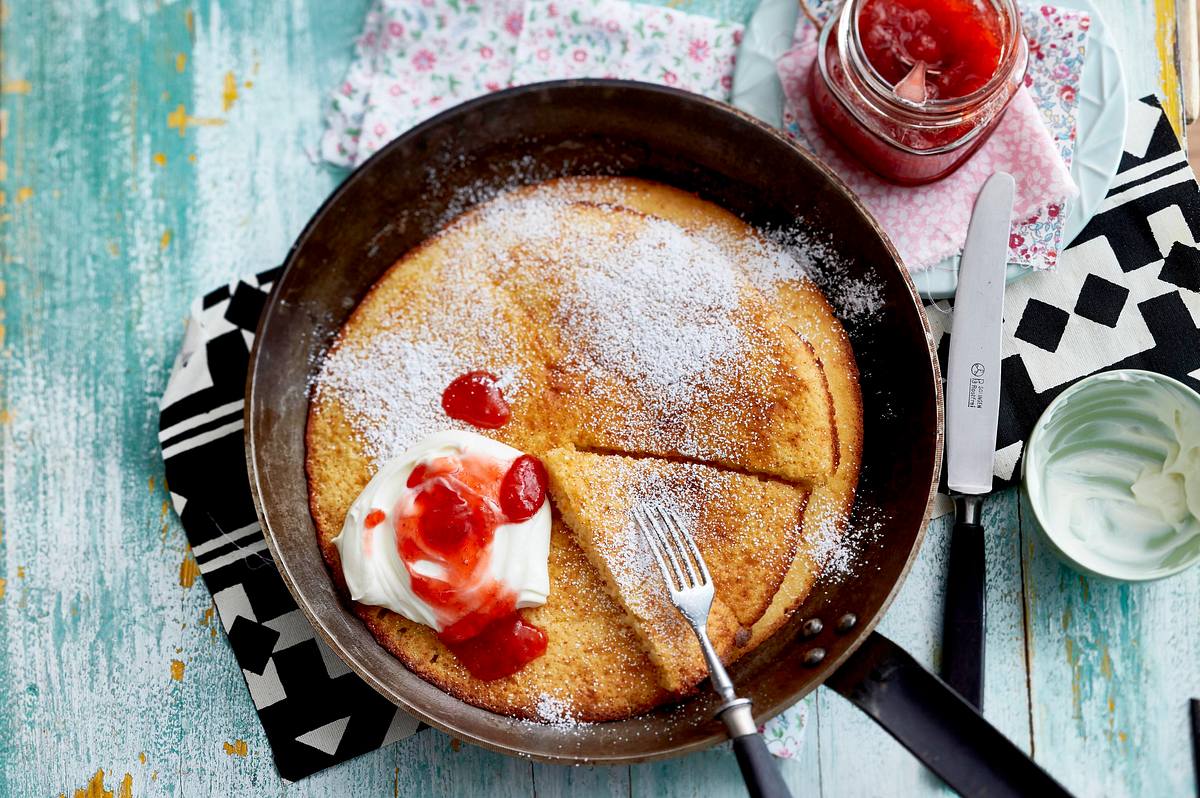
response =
{"points": [[760, 771], [937, 725]]}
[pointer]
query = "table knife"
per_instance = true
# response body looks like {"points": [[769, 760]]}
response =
{"points": [[972, 412]]}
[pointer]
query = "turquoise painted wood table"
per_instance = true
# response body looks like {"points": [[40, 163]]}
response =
{"points": [[152, 149]]}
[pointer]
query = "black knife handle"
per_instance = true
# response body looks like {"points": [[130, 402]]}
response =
{"points": [[941, 729], [964, 618]]}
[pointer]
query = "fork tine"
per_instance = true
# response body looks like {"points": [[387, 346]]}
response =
{"points": [[691, 542], [664, 543], [643, 519], [655, 549], [678, 536]]}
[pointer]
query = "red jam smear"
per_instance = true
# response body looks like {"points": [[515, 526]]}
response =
{"points": [[475, 398], [450, 522], [958, 40], [502, 648]]}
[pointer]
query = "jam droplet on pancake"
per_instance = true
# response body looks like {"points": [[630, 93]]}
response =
{"points": [[475, 398], [523, 488], [374, 519], [448, 528], [503, 647]]}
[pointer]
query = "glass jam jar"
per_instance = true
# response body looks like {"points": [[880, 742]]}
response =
{"points": [[887, 72]]}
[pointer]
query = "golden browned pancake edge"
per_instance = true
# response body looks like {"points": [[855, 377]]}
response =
{"points": [[596, 663]]}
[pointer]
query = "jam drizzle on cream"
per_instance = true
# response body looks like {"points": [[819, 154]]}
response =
{"points": [[444, 529]]}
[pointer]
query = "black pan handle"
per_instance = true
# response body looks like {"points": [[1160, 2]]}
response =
{"points": [[937, 725], [964, 618]]}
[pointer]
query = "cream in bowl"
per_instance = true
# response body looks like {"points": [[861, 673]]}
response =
{"points": [[1112, 473]]}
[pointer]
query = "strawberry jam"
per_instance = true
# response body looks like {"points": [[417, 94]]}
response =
{"points": [[444, 531], [501, 648], [475, 398], [914, 87], [957, 40], [523, 488]]}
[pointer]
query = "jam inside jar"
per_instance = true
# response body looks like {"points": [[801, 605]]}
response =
{"points": [[913, 87]]}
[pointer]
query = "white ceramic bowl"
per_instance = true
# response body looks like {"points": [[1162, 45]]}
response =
{"points": [[1095, 437]]}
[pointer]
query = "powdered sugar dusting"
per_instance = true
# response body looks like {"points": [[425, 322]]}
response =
{"points": [[657, 327], [855, 300], [389, 374], [656, 322], [555, 711], [392, 390], [663, 313], [835, 542]]}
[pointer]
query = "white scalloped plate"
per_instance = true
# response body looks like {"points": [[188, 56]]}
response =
{"points": [[1101, 125]]}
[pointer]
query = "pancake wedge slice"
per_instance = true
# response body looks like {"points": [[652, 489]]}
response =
{"points": [[807, 311], [748, 530]]}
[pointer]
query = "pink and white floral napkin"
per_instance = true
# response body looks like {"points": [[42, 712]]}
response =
{"points": [[418, 57], [1034, 142]]}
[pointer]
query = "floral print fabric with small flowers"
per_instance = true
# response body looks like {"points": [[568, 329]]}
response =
{"points": [[784, 733], [614, 39], [418, 57], [1034, 142]]}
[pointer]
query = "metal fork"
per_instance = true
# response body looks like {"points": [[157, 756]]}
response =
{"points": [[691, 589]]}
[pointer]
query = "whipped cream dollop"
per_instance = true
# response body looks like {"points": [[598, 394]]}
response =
{"points": [[1117, 474], [515, 564]]}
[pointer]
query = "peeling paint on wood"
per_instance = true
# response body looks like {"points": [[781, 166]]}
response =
{"points": [[188, 570], [229, 92]]}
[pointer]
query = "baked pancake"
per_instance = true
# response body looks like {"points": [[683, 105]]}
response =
{"points": [[804, 308], [658, 344], [746, 528], [641, 335]]}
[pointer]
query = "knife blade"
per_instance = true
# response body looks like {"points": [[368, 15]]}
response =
{"points": [[972, 413], [973, 373]]}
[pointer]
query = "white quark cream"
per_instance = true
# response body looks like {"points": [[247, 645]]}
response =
{"points": [[376, 573], [1113, 475]]}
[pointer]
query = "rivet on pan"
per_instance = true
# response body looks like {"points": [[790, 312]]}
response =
{"points": [[814, 656], [847, 622], [812, 627]]}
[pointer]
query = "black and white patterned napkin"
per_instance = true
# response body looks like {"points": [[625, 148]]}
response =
{"points": [[1126, 294], [315, 710]]}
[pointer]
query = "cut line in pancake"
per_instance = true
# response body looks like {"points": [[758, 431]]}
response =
{"points": [[747, 530], [682, 460], [656, 342]]}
